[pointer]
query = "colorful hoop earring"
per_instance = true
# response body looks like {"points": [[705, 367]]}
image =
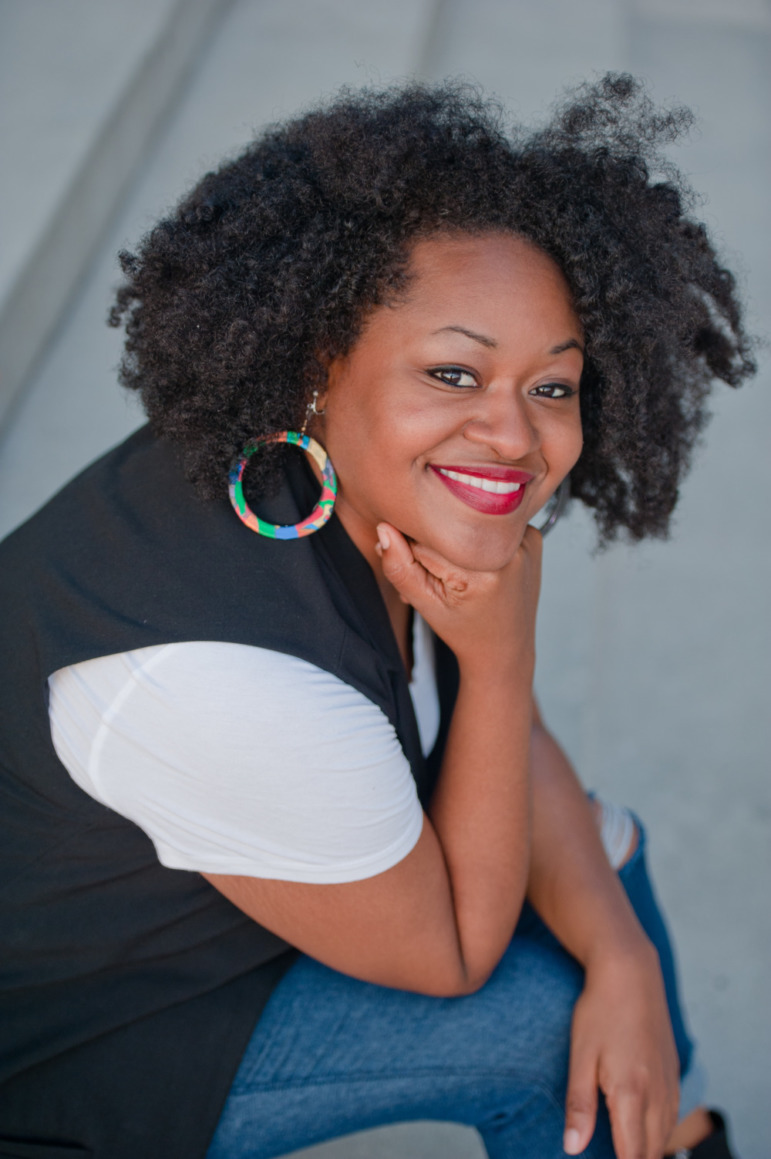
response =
{"points": [[320, 513]]}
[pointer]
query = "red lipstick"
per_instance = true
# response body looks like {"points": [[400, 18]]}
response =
{"points": [[491, 490]]}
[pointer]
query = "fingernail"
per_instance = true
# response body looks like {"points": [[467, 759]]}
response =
{"points": [[572, 1142], [383, 538]]}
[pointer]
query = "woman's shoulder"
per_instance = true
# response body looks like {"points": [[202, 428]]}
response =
{"points": [[216, 675]]}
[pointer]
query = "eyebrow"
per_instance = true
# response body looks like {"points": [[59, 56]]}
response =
{"points": [[482, 339], [571, 344], [491, 344]]}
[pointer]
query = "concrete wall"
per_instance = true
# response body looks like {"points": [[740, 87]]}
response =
{"points": [[84, 88]]}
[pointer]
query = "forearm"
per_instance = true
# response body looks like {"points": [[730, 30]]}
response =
{"points": [[571, 883], [480, 809], [481, 813]]}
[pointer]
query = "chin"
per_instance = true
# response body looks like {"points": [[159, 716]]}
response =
{"points": [[483, 551]]}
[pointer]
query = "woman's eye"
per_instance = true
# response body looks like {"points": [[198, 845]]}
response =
{"points": [[553, 390], [454, 376]]}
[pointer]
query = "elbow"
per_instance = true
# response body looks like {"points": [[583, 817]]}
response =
{"points": [[459, 989], [471, 983], [464, 970], [457, 984]]}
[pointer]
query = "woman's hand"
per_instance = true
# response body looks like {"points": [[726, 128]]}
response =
{"points": [[486, 618], [622, 1043]]}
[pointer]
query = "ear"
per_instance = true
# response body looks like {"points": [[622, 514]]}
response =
{"points": [[331, 366]]}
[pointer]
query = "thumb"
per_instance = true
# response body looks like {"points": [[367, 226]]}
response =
{"points": [[580, 1104], [400, 567]]}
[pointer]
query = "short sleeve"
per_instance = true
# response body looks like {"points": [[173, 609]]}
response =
{"points": [[239, 760]]}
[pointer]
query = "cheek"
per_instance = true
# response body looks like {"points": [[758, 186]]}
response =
{"points": [[578, 446], [373, 455], [567, 444], [400, 437]]}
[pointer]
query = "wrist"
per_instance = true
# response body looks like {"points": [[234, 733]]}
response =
{"points": [[621, 950], [496, 692], [513, 673]]}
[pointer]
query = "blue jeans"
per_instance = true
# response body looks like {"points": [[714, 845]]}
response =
{"points": [[332, 1055]]}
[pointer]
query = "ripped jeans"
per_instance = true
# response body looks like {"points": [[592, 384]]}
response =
{"points": [[331, 1055]]}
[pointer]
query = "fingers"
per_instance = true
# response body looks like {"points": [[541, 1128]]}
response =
{"points": [[633, 1130], [416, 572], [661, 1119], [640, 1127], [581, 1102], [641, 1124], [400, 567], [628, 1122], [395, 555], [454, 580]]}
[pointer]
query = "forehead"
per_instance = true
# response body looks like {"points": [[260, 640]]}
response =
{"points": [[503, 260], [494, 282]]}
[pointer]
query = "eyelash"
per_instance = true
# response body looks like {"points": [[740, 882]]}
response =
{"points": [[439, 372], [567, 391]]}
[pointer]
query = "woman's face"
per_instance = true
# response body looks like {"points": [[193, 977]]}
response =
{"points": [[456, 414]]}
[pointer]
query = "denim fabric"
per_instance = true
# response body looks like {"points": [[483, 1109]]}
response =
{"points": [[332, 1055]]}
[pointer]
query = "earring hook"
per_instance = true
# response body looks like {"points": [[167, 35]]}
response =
{"points": [[310, 411]]}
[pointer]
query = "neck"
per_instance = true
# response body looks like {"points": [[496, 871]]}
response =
{"points": [[365, 538], [399, 615]]}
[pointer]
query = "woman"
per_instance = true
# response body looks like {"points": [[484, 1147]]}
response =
{"points": [[214, 749]]}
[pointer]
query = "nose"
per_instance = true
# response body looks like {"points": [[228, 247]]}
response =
{"points": [[503, 422]]}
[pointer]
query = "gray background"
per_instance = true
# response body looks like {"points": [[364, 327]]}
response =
{"points": [[653, 661]]}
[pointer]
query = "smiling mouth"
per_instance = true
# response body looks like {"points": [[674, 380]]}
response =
{"points": [[496, 491], [494, 486]]}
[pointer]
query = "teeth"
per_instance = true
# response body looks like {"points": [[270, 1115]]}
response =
{"points": [[496, 486]]}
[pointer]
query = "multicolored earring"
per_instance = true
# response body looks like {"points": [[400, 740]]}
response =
{"points": [[323, 509]]}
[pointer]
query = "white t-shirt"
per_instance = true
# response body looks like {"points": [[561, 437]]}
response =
{"points": [[240, 760]]}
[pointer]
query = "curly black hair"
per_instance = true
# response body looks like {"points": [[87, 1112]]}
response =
{"points": [[236, 302]]}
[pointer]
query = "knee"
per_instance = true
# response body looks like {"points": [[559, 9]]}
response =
{"points": [[618, 831], [527, 1011]]}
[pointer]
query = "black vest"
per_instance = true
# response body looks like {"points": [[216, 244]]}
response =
{"points": [[129, 990]]}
